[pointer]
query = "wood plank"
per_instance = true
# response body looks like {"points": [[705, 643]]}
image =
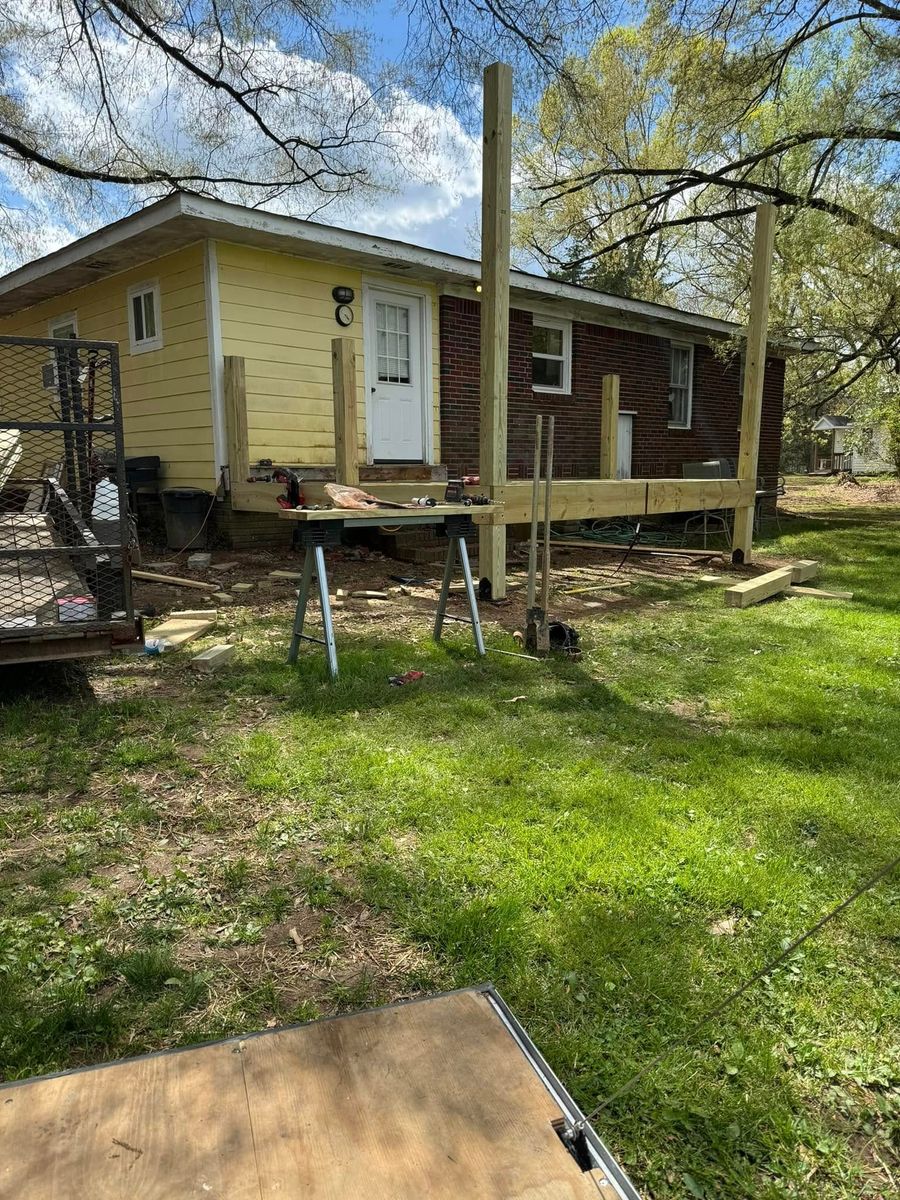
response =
{"points": [[432, 1099], [495, 235], [177, 630], [803, 569], [574, 499], [690, 495], [428, 1100], [659, 551], [754, 375], [161, 1127], [235, 386], [818, 593], [751, 591], [174, 580], [609, 427], [390, 516], [346, 445]]}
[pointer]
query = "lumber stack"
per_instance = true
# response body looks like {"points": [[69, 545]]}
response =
{"points": [[783, 580]]}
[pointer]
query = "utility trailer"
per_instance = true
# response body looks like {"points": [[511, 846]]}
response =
{"points": [[65, 574]]}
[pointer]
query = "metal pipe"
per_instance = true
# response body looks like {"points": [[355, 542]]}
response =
{"points": [[535, 497], [548, 486]]}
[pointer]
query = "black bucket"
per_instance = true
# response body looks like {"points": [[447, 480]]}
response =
{"points": [[185, 511]]}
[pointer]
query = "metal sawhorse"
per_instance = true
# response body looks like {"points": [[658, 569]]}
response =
{"points": [[318, 531]]}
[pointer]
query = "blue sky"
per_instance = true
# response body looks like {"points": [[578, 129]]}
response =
{"points": [[433, 197]]}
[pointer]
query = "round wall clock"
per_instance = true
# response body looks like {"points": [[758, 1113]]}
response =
{"points": [[343, 314]]}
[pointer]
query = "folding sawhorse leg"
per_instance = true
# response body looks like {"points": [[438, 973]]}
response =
{"points": [[457, 528], [314, 537]]}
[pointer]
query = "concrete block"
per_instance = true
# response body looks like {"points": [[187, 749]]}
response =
{"points": [[199, 561], [243, 587]]}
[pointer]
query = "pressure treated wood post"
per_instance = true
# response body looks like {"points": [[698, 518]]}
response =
{"points": [[495, 212], [609, 428], [235, 387], [343, 373], [754, 375]]}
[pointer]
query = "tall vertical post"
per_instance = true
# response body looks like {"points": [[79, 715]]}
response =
{"points": [[754, 375], [609, 428], [343, 374], [235, 388], [495, 217]]}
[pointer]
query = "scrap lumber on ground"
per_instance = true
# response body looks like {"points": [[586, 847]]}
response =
{"points": [[818, 593], [751, 591], [210, 660], [803, 569], [181, 627], [669, 551], [783, 579], [174, 580]]}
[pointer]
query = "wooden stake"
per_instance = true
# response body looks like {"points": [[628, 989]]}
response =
{"points": [[495, 220], [609, 428], [535, 496], [754, 375], [343, 373], [543, 640]]}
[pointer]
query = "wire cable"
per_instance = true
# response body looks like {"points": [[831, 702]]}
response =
{"points": [[730, 999]]}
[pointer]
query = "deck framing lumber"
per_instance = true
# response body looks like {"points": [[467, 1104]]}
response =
{"points": [[754, 376], [343, 374], [495, 235]]}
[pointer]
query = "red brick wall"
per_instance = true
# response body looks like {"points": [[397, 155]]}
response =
{"points": [[642, 363]]}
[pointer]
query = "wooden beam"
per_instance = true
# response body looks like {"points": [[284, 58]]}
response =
{"points": [[754, 375], [818, 593], [495, 220], [689, 495], [343, 373], [751, 591], [173, 580], [609, 427], [803, 569], [235, 382]]}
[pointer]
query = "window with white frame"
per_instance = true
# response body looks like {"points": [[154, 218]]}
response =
{"points": [[551, 351], [65, 326], [144, 317], [681, 385]]}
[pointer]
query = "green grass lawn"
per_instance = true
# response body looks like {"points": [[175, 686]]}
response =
{"points": [[615, 850]]}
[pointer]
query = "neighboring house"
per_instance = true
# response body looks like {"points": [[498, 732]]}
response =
{"points": [[188, 281], [838, 446]]}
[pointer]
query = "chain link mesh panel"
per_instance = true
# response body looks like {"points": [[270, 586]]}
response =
{"points": [[64, 525]]}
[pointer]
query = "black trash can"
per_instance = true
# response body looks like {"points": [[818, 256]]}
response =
{"points": [[185, 511]]}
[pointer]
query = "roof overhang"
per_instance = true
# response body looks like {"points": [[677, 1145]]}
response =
{"points": [[181, 220], [825, 424]]}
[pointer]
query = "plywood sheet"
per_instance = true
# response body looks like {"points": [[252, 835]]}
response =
{"points": [[157, 1128], [31, 582], [432, 1099]]}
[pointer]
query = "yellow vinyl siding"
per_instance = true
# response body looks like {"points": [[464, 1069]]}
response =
{"points": [[277, 312], [166, 392]]}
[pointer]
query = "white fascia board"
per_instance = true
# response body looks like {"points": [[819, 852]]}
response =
{"points": [[93, 243]]}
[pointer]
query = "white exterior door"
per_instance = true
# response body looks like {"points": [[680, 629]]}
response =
{"points": [[399, 400], [626, 429]]}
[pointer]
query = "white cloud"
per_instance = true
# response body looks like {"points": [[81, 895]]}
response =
{"points": [[421, 167]]}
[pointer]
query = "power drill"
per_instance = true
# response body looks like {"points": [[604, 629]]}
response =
{"points": [[293, 496]]}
